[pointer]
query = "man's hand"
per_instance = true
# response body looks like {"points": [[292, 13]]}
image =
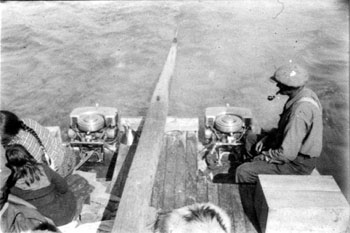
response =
{"points": [[260, 145], [264, 156]]}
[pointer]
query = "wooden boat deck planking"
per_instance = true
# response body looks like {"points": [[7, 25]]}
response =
{"points": [[177, 181]]}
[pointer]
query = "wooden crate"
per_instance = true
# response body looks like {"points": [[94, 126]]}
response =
{"points": [[295, 203]]}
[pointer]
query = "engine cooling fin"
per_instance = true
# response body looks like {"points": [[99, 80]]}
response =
{"points": [[228, 123]]}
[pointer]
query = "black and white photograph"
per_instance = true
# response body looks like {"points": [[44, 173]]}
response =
{"points": [[173, 116]]}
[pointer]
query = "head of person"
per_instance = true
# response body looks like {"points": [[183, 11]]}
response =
{"points": [[10, 125], [22, 163], [290, 78]]}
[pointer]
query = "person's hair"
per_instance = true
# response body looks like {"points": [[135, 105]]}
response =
{"points": [[199, 217], [10, 125], [22, 163]]}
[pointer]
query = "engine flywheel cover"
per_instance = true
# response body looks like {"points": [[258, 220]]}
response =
{"points": [[91, 122], [228, 123]]}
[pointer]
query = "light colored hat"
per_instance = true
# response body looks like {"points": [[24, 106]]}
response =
{"points": [[291, 75]]}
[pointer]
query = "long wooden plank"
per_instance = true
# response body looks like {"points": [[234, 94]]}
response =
{"points": [[158, 187], [191, 163], [239, 216], [225, 202], [170, 173], [135, 200], [202, 189], [202, 184], [213, 195], [172, 123], [180, 177], [182, 124]]}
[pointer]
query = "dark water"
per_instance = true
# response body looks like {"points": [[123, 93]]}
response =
{"points": [[56, 56]]}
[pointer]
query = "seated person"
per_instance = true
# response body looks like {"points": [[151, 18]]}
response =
{"points": [[38, 142], [39, 185], [294, 146]]}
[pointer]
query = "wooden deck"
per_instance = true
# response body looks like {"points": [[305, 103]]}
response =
{"points": [[178, 183]]}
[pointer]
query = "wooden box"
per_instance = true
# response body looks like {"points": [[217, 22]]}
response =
{"points": [[295, 203]]}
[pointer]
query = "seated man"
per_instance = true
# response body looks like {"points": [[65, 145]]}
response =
{"points": [[293, 147]]}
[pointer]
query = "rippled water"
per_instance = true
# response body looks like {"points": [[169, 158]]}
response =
{"points": [[56, 56]]}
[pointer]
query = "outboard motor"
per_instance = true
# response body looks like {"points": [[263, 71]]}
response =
{"points": [[225, 129], [93, 131]]}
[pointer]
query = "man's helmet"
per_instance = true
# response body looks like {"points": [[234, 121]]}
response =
{"points": [[291, 75]]}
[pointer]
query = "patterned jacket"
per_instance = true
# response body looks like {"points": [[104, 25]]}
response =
{"points": [[54, 148]]}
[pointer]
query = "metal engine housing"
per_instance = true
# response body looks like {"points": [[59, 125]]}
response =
{"points": [[225, 129], [93, 131]]}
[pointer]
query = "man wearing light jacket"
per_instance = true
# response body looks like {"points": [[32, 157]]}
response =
{"points": [[293, 147]]}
